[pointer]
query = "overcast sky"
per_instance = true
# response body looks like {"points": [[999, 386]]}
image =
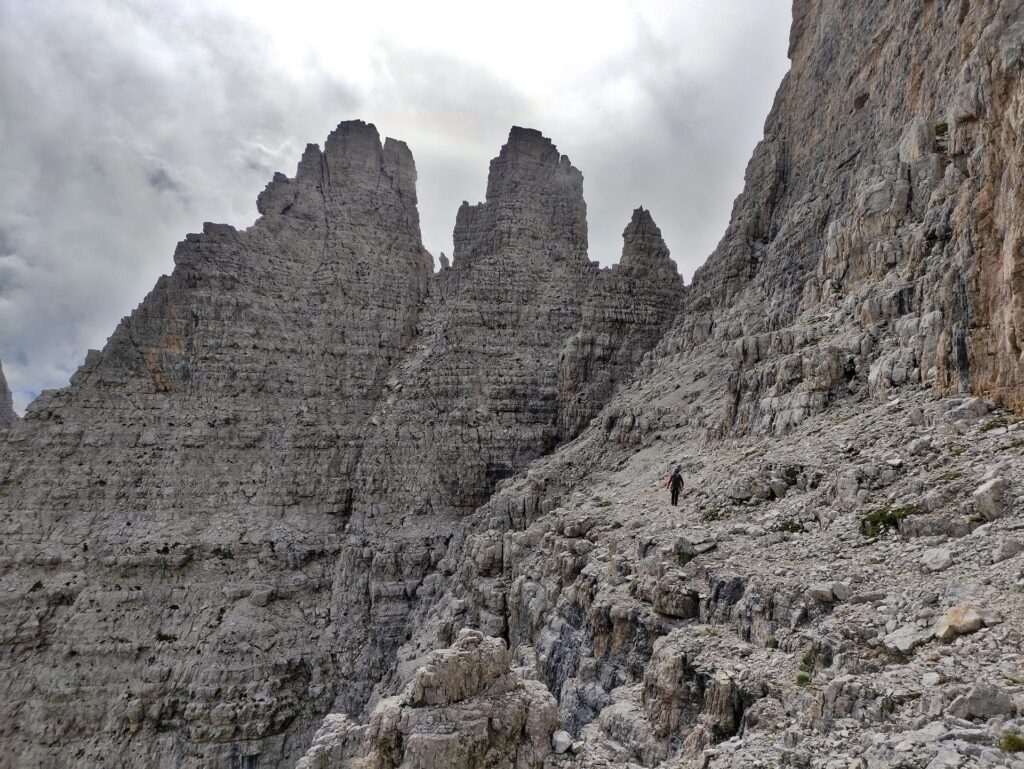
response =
{"points": [[124, 124]]}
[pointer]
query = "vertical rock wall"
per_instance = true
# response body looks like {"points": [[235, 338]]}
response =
{"points": [[171, 520]]}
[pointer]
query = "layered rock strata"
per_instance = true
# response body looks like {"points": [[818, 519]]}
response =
{"points": [[172, 519], [218, 531], [840, 587], [464, 708], [483, 394], [845, 517]]}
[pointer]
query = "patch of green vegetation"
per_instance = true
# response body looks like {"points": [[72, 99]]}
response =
{"points": [[886, 519], [957, 451], [942, 129], [161, 636], [807, 663], [994, 424], [715, 514], [772, 643], [975, 518], [1011, 743], [950, 475], [802, 679], [601, 502], [789, 526]]}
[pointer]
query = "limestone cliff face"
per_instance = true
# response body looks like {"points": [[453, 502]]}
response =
{"points": [[187, 492], [221, 528], [878, 235], [631, 305], [7, 416], [484, 391], [305, 465], [814, 380]]}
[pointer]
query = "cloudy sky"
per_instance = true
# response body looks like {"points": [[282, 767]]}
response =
{"points": [[125, 124]]}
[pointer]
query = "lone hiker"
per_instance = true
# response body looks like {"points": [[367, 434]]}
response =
{"points": [[675, 484]]}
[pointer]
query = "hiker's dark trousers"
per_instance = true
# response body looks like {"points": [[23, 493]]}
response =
{"points": [[675, 496]]}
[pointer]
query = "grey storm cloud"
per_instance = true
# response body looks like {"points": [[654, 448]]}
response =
{"points": [[126, 124]]}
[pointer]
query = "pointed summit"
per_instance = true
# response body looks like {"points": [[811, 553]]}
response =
{"points": [[643, 248]]}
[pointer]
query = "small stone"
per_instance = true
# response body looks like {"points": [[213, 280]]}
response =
{"points": [[937, 559], [821, 592], [990, 499], [931, 679], [1006, 549], [906, 639], [561, 741], [972, 408], [982, 701], [261, 596], [959, 620], [695, 543]]}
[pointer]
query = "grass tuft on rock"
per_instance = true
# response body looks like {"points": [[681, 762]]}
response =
{"points": [[886, 519], [789, 526], [1011, 743]]}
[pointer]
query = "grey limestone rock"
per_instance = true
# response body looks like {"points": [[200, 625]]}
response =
{"points": [[8, 418], [262, 470], [464, 708], [310, 478]]}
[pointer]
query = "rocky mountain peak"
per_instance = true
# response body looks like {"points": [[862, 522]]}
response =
{"points": [[529, 170], [643, 247], [534, 195], [308, 477]]}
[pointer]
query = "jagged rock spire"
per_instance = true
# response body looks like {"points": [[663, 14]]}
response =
{"points": [[643, 247]]}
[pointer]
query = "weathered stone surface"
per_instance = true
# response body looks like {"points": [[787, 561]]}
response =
{"points": [[990, 498], [937, 559], [7, 416], [959, 620], [465, 709], [906, 639], [205, 455], [984, 700], [561, 741], [261, 471], [324, 524], [521, 342]]}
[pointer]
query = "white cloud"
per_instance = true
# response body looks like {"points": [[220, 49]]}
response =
{"points": [[124, 125]]}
